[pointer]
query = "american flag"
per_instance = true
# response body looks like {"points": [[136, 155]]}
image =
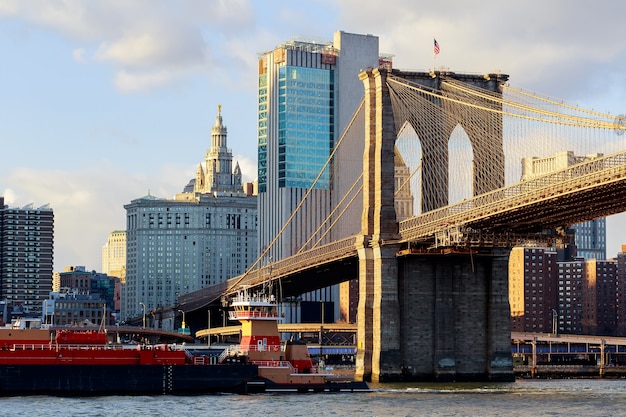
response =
{"points": [[436, 48]]}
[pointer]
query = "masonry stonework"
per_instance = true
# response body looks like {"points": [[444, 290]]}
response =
{"points": [[428, 316]]}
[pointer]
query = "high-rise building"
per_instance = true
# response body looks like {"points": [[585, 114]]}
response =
{"points": [[403, 200], [588, 297], [600, 298], [620, 296], [203, 236], [589, 237], [114, 255], [550, 293], [532, 289], [571, 285], [26, 258], [308, 94]]}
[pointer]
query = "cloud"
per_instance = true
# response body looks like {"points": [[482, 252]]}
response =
{"points": [[128, 81], [87, 207], [148, 43], [9, 197], [556, 50], [78, 55], [75, 19], [143, 49], [8, 7], [155, 58], [155, 47]]}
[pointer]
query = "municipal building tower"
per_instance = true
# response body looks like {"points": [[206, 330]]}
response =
{"points": [[218, 175]]}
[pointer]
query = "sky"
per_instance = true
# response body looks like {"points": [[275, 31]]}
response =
{"points": [[102, 102]]}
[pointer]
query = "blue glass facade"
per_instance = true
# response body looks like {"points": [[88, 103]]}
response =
{"points": [[305, 126], [590, 239]]}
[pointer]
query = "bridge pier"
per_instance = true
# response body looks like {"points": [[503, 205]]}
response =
{"points": [[433, 317], [378, 353], [379, 356], [454, 313]]}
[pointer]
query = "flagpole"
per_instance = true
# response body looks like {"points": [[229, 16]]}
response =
{"points": [[434, 54]]}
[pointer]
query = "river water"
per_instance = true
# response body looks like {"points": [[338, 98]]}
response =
{"points": [[574, 397]]}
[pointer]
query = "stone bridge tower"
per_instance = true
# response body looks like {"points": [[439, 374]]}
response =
{"points": [[432, 316]]}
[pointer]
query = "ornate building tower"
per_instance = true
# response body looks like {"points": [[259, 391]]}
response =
{"points": [[218, 174]]}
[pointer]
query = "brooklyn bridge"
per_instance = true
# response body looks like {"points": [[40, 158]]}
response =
{"points": [[426, 218]]}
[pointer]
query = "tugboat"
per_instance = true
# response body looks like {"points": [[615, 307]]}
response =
{"points": [[288, 369]]}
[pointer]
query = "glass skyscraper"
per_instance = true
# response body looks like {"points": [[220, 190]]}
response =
{"points": [[308, 94], [305, 127]]}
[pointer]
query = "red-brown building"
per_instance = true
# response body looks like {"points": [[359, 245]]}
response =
{"points": [[548, 294]]}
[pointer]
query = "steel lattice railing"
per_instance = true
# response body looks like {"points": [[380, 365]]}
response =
{"points": [[577, 177]]}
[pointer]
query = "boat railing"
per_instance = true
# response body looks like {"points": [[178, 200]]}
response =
{"points": [[29, 346], [244, 314], [262, 348], [57, 346], [245, 297], [276, 364], [282, 364], [227, 352]]}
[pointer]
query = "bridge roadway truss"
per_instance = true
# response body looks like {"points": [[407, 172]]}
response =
{"points": [[412, 308], [579, 193]]}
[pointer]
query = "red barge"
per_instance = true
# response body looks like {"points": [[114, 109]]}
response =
{"points": [[77, 362]]}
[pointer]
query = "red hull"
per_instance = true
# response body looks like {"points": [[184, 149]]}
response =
{"points": [[52, 354]]}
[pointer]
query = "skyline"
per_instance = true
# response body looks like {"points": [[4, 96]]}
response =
{"points": [[103, 103]]}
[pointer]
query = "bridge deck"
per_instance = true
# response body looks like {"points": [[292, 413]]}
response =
{"points": [[579, 193]]}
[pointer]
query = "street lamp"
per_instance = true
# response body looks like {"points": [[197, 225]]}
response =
{"points": [[143, 307], [208, 338], [555, 317], [321, 362], [183, 325]]}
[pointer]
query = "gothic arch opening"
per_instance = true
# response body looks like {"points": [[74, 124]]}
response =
{"points": [[460, 166], [408, 173]]}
